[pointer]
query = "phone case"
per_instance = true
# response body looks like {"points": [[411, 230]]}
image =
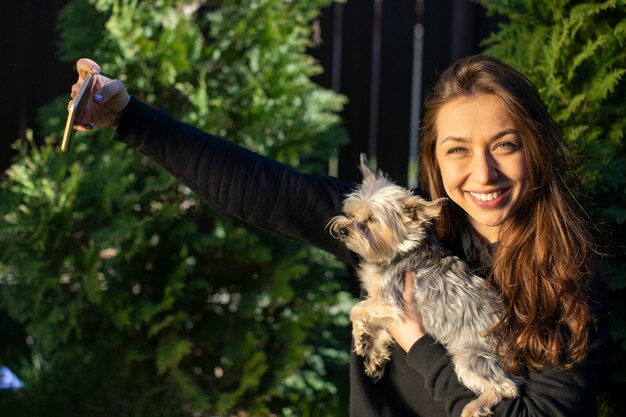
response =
{"points": [[69, 132]]}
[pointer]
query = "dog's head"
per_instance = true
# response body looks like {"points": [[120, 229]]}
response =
{"points": [[381, 219]]}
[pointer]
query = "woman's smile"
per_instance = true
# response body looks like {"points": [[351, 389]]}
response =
{"points": [[489, 199]]}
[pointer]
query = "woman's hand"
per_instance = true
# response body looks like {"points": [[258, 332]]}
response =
{"points": [[104, 100], [409, 330]]}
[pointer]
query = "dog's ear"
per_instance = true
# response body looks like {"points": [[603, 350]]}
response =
{"points": [[422, 209], [368, 175]]}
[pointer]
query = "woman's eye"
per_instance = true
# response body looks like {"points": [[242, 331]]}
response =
{"points": [[457, 149], [506, 146]]}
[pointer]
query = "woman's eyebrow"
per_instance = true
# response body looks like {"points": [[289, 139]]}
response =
{"points": [[509, 131], [460, 139], [455, 139]]}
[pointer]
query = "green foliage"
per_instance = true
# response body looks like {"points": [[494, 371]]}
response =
{"points": [[574, 52], [136, 299]]}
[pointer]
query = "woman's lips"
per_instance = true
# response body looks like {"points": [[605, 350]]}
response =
{"points": [[489, 200]]}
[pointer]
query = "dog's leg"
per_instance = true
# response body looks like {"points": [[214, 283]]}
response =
{"points": [[381, 315], [362, 328], [379, 355], [482, 372], [362, 336]]}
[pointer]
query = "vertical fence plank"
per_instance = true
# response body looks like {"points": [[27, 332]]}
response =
{"points": [[30, 67], [9, 116], [416, 95], [375, 66], [355, 81], [394, 110]]}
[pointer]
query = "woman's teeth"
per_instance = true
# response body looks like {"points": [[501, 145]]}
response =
{"points": [[486, 197]]}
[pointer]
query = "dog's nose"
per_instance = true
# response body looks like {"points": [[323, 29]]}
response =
{"points": [[343, 232]]}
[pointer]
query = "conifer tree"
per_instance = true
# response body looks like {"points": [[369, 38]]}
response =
{"points": [[136, 298]]}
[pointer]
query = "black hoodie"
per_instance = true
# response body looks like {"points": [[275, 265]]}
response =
{"points": [[268, 195]]}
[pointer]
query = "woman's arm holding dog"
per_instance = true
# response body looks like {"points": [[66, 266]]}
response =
{"points": [[548, 391], [410, 329]]}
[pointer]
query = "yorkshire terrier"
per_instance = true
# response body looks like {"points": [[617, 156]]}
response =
{"points": [[390, 228]]}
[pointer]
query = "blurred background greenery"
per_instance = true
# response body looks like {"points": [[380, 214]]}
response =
{"points": [[121, 294], [138, 301]]}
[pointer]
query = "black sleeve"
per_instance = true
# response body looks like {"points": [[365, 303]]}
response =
{"points": [[238, 182], [547, 392]]}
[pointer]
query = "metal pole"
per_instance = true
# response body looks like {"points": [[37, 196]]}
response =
{"points": [[416, 95], [372, 148], [333, 161]]}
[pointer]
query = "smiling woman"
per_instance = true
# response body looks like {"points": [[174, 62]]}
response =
{"points": [[490, 145]]}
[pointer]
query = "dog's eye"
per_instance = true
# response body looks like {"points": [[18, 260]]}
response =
{"points": [[363, 224]]}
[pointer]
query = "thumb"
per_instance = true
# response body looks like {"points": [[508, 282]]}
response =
{"points": [[114, 95]]}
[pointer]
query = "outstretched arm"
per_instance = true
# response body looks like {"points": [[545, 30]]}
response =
{"points": [[236, 181], [231, 179]]}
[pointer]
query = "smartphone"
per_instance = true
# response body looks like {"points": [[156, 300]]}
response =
{"points": [[69, 132]]}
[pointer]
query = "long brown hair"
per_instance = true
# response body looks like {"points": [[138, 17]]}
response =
{"points": [[543, 260]]}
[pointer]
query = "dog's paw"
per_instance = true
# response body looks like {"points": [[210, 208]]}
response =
{"points": [[373, 369], [362, 344], [472, 410], [509, 388], [361, 334]]}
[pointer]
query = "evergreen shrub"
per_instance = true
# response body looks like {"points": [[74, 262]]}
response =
{"points": [[137, 300]]}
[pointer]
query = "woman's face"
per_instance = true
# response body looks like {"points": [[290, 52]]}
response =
{"points": [[482, 161]]}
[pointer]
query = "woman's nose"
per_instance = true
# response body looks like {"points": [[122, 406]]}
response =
{"points": [[484, 168]]}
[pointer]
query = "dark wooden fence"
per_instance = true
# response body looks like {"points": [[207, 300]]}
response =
{"points": [[31, 73], [382, 54]]}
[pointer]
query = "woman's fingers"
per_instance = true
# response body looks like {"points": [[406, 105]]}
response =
{"points": [[103, 99], [111, 92], [86, 66], [75, 89], [408, 329], [82, 125], [407, 294]]}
